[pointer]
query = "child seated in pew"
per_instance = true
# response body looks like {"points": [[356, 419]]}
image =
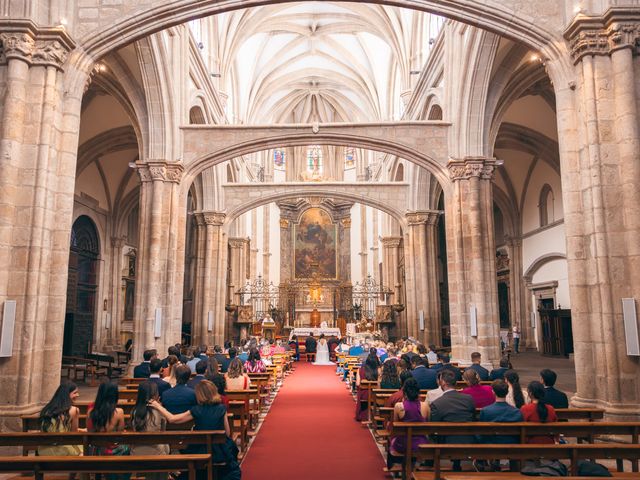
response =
{"points": [[209, 414], [146, 419], [60, 415]]}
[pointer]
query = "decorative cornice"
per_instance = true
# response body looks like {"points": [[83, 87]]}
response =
{"points": [[23, 40], [470, 167], [618, 28], [160, 171]]}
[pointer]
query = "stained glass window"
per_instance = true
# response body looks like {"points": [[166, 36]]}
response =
{"points": [[314, 159], [279, 160], [349, 157]]}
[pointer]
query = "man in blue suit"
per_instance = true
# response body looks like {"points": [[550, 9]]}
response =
{"points": [[552, 395], [426, 378], [142, 370], [180, 398], [154, 367], [201, 367]]}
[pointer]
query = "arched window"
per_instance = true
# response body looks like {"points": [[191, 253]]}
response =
{"points": [[196, 116], [545, 205], [349, 158], [399, 173], [314, 159], [279, 159], [435, 113]]}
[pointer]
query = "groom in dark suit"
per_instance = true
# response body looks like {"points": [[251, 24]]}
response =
{"points": [[310, 345]]}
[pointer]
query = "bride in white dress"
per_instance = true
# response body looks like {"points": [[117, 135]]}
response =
{"points": [[322, 352]]}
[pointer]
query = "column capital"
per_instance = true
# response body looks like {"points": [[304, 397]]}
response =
{"points": [[618, 28], [238, 242], [422, 217], [346, 222], [159, 170], [213, 218], [284, 223], [117, 242], [469, 167], [23, 40], [391, 242]]}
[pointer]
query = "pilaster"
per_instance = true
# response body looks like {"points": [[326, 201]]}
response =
{"points": [[391, 278]]}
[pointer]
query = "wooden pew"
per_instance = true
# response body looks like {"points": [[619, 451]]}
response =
{"points": [[251, 402], [114, 464], [574, 452], [126, 405], [586, 431]]}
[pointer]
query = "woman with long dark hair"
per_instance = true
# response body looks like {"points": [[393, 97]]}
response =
{"points": [[147, 419], [539, 411], [389, 378], [254, 364], [516, 396], [368, 372], [60, 415], [209, 414], [105, 416]]}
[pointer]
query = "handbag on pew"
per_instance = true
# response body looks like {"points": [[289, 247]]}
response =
{"points": [[587, 468], [544, 468]]}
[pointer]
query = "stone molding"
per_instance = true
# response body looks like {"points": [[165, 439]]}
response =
{"points": [[160, 171], [22, 40], [210, 218], [391, 242], [238, 242], [346, 222], [471, 167], [618, 28], [424, 217]]}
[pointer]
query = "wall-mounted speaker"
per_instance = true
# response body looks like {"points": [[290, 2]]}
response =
{"points": [[533, 319], [473, 320], [631, 326], [157, 331], [421, 319], [210, 321], [8, 326]]}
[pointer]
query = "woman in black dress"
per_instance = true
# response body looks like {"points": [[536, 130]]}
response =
{"points": [[209, 414]]}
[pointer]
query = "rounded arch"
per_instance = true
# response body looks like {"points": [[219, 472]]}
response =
{"points": [[196, 116], [85, 238], [435, 113], [302, 192], [436, 168], [519, 23], [541, 261]]}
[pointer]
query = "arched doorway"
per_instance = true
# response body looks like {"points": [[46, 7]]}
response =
{"points": [[82, 286]]}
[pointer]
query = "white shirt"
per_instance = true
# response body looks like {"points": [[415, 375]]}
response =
{"points": [[432, 357], [433, 395]]}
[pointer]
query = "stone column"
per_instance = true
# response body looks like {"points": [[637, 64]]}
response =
{"points": [[374, 248], [266, 242], [390, 278], [115, 289], [599, 150], [212, 272], [237, 266], [517, 291], [434, 315], [39, 125], [288, 215], [160, 256], [471, 261], [364, 241]]}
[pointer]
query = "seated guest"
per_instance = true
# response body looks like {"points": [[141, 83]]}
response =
{"points": [[453, 406], [399, 395], [173, 350], [201, 368], [482, 394], [295, 347], [443, 364], [218, 381], [154, 367], [232, 353], [427, 379], [223, 360], [235, 378], [421, 350], [539, 411], [516, 396], [498, 373], [368, 371], [389, 378], [212, 368], [553, 397], [356, 350], [169, 373], [254, 364], [105, 416], [432, 356], [410, 409], [196, 358], [279, 348], [433, 395], [499, 411], [147, 419], [142, 370], [180, 398], [60, 415], [482, 372], [208, 414]]}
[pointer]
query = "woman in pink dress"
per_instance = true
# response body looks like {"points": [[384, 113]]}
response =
{"points": [[254, 364], [482, 394]]}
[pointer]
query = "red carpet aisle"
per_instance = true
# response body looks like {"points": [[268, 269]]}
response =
{"points": [[310, 433]]}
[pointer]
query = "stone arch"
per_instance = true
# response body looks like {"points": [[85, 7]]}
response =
{"points": [[120, 25], [435, 112], [543, 204], [541, 261], [196, 116], [299, 139], [302, 192]]}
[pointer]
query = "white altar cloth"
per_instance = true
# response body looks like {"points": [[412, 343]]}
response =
{"points": [[306, 331]]}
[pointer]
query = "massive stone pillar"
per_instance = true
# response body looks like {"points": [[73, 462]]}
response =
{"points": [[421, 276], [471, 261], [160, 257], [391, 278], [599, 150], [237, 265], [210, 280], [39, 125]]}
